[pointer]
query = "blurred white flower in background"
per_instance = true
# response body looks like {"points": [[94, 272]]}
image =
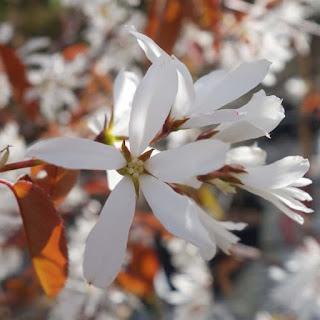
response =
{"points": [[54, 80], [5, 90], [298, 289]]}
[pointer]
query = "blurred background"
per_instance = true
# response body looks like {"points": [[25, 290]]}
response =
{"points": [[58, 61]]}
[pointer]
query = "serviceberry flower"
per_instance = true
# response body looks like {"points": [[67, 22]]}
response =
{"points": [[278, 182], [198, 104], [107, 241]]}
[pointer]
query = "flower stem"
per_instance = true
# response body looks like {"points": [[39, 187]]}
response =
{"points": [[22, 164]]}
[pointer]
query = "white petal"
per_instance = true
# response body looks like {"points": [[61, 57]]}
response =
{"points": [[278, 174], [113, 178], [150, 48], [270, 197], [246, 156], [77, 153], [217, 231], [233, 225], [205, 119], [302, 182], [195, 158], [125, 86], [211, 79], [185, 95], [177, 213], [284, 196], [107, 242], [263, 114], [213, 96], [152, 103]]}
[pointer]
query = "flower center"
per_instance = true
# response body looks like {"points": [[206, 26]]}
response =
{"points": [[135, 167]]}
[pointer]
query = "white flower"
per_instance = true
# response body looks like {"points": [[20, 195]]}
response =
{"points": [[107, 241], [5, 90], [302, 276], [54, 81], [277, 182], [198, 103]]}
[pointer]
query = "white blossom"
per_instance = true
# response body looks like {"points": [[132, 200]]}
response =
{"points": [[278, 182], [107, 241], [199, 104]]}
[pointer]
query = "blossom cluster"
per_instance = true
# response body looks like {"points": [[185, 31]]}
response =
{"points": [[166, 100]]}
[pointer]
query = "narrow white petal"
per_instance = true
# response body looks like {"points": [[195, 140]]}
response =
{"points": [[125, 86], [152, 103], [211, 80], [270, 197], [177, 213], [107, 242], [234, 85], [150, 48], [299, 194], [77, 153], [185, 94], [246, 156], [284, 196], [263, 114], [205, 119], [233, 225], [218, 232], [278, 174], [113, 178], [195, 158], [302, 182]]}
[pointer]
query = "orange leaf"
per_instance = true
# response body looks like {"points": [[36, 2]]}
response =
{"points": [[57, 182], [17, 76], [71, 52], [138, 277], [46, 239]]}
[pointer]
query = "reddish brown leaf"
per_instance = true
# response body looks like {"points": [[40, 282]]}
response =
{"points": [[138, 277], [57, 182], [71, 52], [17, 76], [45, 234], [164, 25]]}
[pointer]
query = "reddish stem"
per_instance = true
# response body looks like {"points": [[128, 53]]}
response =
{"points": [[22, 164]]}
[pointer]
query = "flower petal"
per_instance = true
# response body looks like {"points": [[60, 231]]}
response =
{"points": [[150, 48], [125, 86], [263, 114], [206, 119], [152, 103], [276, 175], [213, 95], [185, 94], [77, 153], [179, 216], [246, 156], [113, 178], [107, 242], [195, 158], [270, 197], [218, 232]]}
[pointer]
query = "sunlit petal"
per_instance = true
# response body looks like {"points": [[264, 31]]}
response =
{"points": [[150, 48], [179, 217], [107, 242], [77, 153], [152, 103], [180, 164], [212, 95], [125, 86]]}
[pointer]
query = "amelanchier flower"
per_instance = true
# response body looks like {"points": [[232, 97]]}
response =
{"points": [[278, 182], [107, 241], [197, 105]]}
